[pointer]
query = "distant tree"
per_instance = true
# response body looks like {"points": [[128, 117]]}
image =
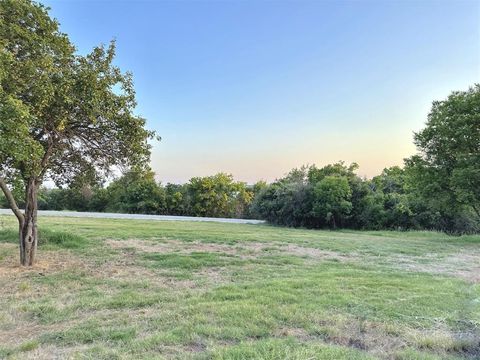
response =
{"points": [[287, 201], [258, 186], [332, 200], [368, 211], [62, 116], [216, 196], [137, 192], [53, 199], [243, 199], [176, 199], [315, 174], [391, 180], [390, 188], [361, 193], [298, 175], [100, 200], [263, 205]]}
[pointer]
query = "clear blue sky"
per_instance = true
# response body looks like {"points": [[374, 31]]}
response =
{"points": [[255, 88]]}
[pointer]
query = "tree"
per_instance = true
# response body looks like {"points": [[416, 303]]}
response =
{"points": [[63, 116], [137, 193], [338, 169], [243, 199], [448, 164], [389, 188], [176, 196], [216, 196], [391, 180], [332, 199], [287, 201]]}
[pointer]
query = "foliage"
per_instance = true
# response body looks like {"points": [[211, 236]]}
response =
{"points": [[63, 115], [216, 196], [437, 189], [447, 168], [332, 197], [287, 201], [138, 192]]}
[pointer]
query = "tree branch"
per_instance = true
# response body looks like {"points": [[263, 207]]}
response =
{"points": [[11, 200], [46, 157], [477, 210]]}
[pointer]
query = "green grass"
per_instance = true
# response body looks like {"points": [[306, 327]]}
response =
{"points": [[49, 239], [127, 289], [272, 349], [90, 332], [192, 261]]}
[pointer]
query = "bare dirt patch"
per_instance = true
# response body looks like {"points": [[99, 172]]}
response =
{"points": [[210, 277], [126, 267]]}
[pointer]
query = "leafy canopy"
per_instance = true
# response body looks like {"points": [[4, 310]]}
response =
{"points": [[64, 116], [332, 197], [449, 161]]}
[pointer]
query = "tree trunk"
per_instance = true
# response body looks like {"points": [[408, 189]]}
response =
{"points": [[334, 223], [28, 228]]}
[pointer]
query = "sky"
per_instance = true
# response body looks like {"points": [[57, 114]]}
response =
{"points": [[256, 88]]}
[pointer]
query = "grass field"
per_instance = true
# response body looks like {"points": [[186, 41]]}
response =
{"points": [[128, 289]]}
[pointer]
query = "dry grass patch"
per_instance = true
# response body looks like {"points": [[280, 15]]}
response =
{"points": [[176, 246], [315, 253], [14, 277], [23, 331], [51, 352], [244, 250], [379, 339], [26, 300], [442, 340], [47, 262], [124, 267], [295, 332], [463, 265]]}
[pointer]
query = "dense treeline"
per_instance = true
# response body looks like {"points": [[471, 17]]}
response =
{"points": [[334, 196], [439, 188], [139, 193]]}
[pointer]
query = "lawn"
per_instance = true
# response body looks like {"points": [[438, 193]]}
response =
{"points": [[129, 289]]}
